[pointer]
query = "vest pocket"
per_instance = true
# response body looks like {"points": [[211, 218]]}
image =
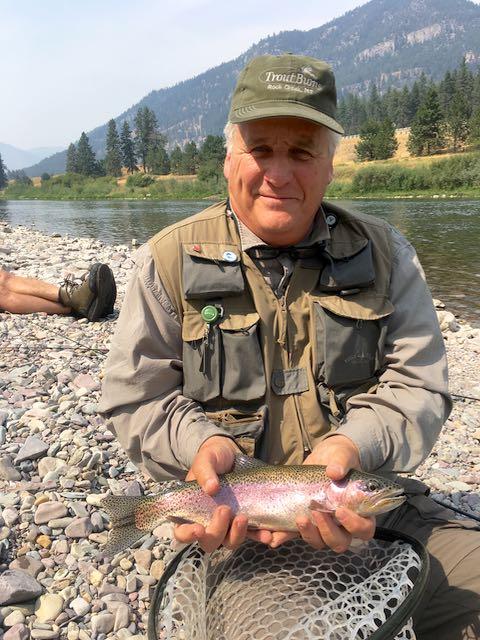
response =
{"points": [[349, 353], [246, 428], [224, 361], [242, 364], [349, 349]]}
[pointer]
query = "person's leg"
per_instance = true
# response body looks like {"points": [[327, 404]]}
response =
{"points": [[28, 286], [450, 606], [29, 295]]}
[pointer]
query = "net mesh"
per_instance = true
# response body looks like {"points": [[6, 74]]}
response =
{"points": [[291, 593]]}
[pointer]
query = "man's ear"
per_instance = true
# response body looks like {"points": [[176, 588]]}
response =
{"points": [[226, 165]]}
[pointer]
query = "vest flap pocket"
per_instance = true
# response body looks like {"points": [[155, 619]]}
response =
{"points": [[243, 376], [246, 428], [348, 273], [349, 344], [363, 305], [211, 271]]}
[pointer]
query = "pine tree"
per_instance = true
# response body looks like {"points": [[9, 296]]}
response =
{"points": [[426, 130], [145, 133], [157, 160], [190, 159], [176, 160], [128, 149], [457, 120], [3, 174], [211, 158], [71, 166], [377, 140], [86, 161], [113, 154], [374, 108], [474, 137]]}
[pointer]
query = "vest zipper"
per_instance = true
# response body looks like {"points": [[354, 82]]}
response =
{"points": [[284, 341]]}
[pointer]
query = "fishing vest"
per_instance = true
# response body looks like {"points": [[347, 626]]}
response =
{"points": [[276, 373]]}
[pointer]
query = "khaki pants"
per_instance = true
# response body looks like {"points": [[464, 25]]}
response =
{"points": [[450, 606]]}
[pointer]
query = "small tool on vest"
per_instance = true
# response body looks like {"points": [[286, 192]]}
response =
{"points": [[211, 314]]}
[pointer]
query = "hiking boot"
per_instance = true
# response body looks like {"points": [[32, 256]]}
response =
{"points": [[94, 297]]}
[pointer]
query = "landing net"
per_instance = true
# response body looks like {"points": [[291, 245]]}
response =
{"points": [[291, 593]]}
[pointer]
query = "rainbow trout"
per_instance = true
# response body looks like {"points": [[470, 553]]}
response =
{"points": [[270, 496]]}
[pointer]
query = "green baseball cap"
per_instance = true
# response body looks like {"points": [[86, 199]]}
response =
{"points": [[286, 85]]}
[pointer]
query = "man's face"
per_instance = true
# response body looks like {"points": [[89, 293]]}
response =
{"points": [[277, 172]]}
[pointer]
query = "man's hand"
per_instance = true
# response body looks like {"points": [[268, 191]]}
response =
{"points": [[339, 454], [215, 456]]}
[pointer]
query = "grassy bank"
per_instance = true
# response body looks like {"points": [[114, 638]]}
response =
{"points": [[136, 187], [455, 175], [449, 176]]}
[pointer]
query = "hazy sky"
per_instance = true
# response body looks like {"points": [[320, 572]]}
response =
{"points": [[71, 65]]}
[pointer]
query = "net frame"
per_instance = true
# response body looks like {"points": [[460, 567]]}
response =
{"points": [[390, 626]]}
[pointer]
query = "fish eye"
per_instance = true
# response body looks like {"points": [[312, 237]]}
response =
{"points": [[372, 485]]}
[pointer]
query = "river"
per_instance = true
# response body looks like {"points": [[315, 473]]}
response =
{"points": [[445, 233]]}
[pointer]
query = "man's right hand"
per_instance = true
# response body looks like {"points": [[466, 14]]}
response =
{"points": [[215, 456]]}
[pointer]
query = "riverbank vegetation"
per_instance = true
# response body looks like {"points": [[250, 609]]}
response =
{"points": [[441, 119]]}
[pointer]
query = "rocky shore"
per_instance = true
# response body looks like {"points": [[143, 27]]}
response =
{"points": [[57, 458]]}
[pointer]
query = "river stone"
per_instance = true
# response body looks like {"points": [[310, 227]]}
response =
{"points": [[49, 606], [16, 617], [102, 623], [49, 511], [122, 616], [79, 528], [32, 449], [43, 634], [8, 471], [80, 606], [10, 516], [17, 632], [28, 564], [18, 586], [48, 464]]}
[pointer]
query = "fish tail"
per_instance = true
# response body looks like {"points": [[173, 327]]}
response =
{"points": [[123, 513]]}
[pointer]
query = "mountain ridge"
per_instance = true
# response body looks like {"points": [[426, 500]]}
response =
{"points": [[389, 42]]}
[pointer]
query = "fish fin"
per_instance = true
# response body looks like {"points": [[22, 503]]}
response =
{"points": [[318, 506], [124, 533], [243, 463]]}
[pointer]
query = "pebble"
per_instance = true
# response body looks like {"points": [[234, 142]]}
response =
{"points": [[18, 586], [63, 459], [49, 606]]}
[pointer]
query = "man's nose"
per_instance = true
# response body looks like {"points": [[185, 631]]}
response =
{"points": [[278, 171]]}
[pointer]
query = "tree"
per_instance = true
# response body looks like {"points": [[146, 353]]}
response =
{"points": [[474, 137], [377, 140], [45, 177], [86, 161], [176, 160], [20, 177], [71, 165], [3, 174], [113, 153], [128, 150], [211, 158], [190, 159], [426, 131], [457, 120], [145, 133]]}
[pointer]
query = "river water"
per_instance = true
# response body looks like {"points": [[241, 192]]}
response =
{"points": [[445, 233]]}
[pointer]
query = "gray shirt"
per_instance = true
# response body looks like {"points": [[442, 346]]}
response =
{"points": [[161, 429]]}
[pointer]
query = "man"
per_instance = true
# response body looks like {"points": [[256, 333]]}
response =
{"points": [[292, 330], [93, 298]]}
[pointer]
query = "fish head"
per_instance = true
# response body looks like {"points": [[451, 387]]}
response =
{"points": [[366, 494]]}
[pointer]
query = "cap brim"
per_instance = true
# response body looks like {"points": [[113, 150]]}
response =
{"points": [[283, 109]]}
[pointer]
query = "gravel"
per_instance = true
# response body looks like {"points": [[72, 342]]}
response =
{"points": [[57, 458]]}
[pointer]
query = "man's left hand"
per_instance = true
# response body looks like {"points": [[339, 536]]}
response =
{"points": [[339, 454]]}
